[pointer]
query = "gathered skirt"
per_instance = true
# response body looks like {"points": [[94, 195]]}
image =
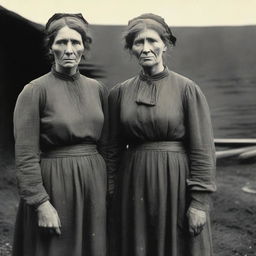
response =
{"points": [[75, 179], [148, 215]]}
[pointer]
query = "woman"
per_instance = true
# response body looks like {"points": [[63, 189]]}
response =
{"points": [[59, 128], [161, 162]]}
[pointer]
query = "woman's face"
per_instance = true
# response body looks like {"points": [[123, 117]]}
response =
{"points": [[67, 49], [148, 47]]}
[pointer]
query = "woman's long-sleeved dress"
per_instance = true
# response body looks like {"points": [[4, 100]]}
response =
{"points": [[59, 131], [168, 165]]}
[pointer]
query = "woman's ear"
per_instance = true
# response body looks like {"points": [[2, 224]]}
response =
{"points": [[165, 48], [50, 51], [170, 47]]}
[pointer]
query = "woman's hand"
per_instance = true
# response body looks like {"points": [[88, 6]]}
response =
{"points": [[48, 217], [196, 220]]}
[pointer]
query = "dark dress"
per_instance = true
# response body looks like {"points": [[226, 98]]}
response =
{"points": [[168, 165], [59, 130]]}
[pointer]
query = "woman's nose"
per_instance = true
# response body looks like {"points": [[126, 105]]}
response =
{"points": [[69, 48], [146, 47]]}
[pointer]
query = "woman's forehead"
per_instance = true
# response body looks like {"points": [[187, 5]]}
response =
{"points": [[147, 33], [66, 32]]}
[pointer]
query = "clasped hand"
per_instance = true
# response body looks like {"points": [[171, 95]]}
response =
{"points": [[196, 220], [48, 217]]}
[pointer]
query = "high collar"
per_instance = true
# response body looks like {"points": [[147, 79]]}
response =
{"points": [[155, 77], [64, 76]]}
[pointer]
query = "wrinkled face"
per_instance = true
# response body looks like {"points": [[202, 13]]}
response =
{"points": [[67, 49], [148, 47]]}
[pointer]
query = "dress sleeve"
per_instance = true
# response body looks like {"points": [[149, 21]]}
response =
{"points": [[116, 140], [201, 181], [27, 149], [103, 141]]}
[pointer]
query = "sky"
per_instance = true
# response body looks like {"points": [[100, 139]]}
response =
{"points": [[118, 12]]}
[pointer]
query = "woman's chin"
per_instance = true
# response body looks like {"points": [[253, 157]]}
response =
{"points": [[69, 65], [147, 64]]}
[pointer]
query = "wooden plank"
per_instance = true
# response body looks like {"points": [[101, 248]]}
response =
{"points": [[235, 142], [233, 152], [247, 189], [248, 154]]}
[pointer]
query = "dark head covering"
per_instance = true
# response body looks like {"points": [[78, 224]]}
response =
{"points": [[63, 17], [148, 20]]}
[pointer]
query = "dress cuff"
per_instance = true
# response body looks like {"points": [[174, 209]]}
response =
{"points": [[200, 200], [37, 201]]}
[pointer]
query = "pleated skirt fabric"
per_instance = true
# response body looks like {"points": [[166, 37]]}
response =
{"points": [[76, 185], [148, 215]]}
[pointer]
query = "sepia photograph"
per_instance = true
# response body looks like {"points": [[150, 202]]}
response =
{"points": [[128, 128]]}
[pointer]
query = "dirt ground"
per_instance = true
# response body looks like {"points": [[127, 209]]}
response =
{"points": [[233, 214]]}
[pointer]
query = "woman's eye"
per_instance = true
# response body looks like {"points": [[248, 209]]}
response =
{"points": [[151, 40], [137, 43], [61, 42], [76, 42]]}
